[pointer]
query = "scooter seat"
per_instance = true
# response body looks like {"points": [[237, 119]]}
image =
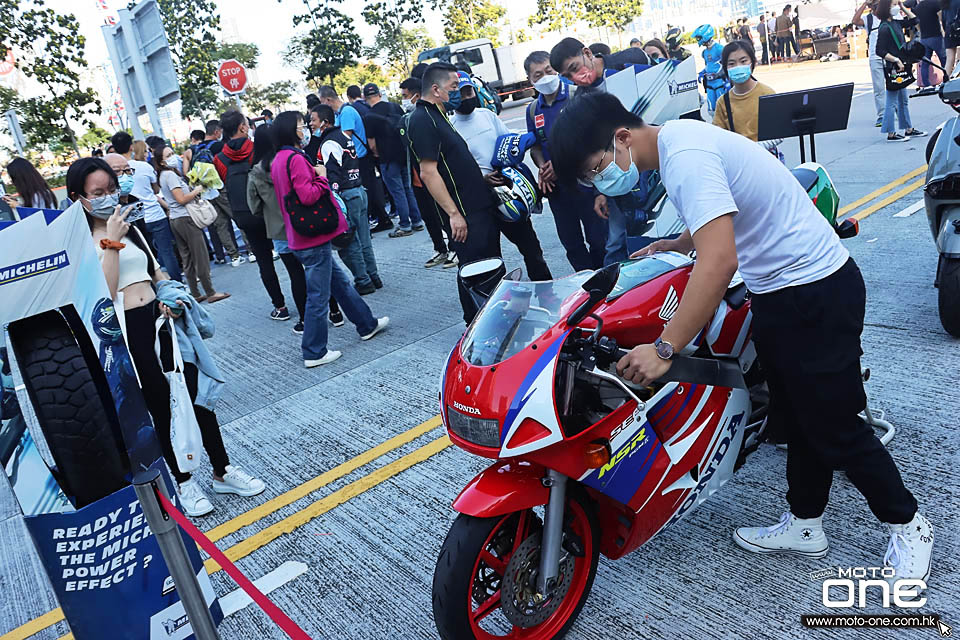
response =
{"points": [[806, 177]]}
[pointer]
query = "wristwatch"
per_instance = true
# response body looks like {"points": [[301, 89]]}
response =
{"points": [[664, 349]]}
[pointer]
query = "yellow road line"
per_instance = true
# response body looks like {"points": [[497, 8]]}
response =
{"points": [[889, 199], [877, 192], [259, 512]]}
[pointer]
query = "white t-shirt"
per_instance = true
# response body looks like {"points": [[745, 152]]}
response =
{"points": [[480, 129], [168, 182], [772, 26], [782, 240], [144, 175]]}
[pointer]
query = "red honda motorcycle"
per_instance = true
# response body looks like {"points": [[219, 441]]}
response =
{"points": [[533, 385]]}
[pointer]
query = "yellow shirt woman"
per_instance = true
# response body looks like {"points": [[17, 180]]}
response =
{"points": [[745, 106]]}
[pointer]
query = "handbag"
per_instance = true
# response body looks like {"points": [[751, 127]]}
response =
{"points": [[184, 429], [201, 212], [310, 220], [897, 79]]}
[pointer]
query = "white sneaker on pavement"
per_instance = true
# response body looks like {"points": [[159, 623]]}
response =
{"points": [[239, 482], [909, 549], [382, 324], [328, 357], [790, 535], [236, 262], [194, 502]]}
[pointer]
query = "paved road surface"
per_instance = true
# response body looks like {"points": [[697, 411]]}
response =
{"points": [[379, 522]]}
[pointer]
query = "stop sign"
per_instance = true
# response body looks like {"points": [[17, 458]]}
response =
{"points": [[232, 76]]}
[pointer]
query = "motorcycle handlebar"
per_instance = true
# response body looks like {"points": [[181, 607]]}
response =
{"points": [[698, 370]]}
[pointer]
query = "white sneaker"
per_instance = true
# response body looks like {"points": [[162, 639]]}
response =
{"points": [[381, 325], [239, 482], [276, 256], [251, 258], [790, 535], [194, 502], [329, 357], [909, 549], [236, 262]]}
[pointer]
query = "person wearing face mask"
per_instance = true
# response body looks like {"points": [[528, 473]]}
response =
{"points": [[744, 210], [571, 206], [656, 50], [481, 128], [890, 45], [586, 69], [189, 237], [450, 172], [738, 109]]}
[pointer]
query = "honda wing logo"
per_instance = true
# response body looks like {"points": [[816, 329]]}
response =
{"points": [[670, 304]]}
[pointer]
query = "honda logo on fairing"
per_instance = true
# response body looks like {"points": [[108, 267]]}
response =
{"points": [[670, 304], [464, 408]]}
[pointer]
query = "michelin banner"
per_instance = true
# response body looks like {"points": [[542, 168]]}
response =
{"points": [[659, 93]]}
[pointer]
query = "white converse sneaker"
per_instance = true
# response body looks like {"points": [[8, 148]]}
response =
{"points": [[239, 482], [790, 535], [194, 502], [382, 324], [327, 358], [909, 549]]}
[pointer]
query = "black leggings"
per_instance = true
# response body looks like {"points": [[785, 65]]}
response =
{"points": [[298, 281], [261, 247], [156, 391]]}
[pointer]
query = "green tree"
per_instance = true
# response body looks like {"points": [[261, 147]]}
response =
{"points": [[190, 27], [361, 74], [272, 96], [325, 49], [557, 15], [615, 14], [53, 55], [469, 19], [246, 53], [396, 43], [94, 137]]}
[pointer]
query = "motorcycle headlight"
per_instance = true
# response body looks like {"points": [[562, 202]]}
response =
{"points": [[485, 433]]}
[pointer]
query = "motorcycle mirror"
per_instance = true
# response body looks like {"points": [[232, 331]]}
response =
{"points": [[600, 284], [848, 228], [950, 91], [478, 279], [514, 275]]}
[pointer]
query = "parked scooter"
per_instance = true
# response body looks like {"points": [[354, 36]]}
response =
{"points": [[942, 200]]}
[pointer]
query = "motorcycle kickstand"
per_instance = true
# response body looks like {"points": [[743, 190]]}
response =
{"points": [[552, 539]]}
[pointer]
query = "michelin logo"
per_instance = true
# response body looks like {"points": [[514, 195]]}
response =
{"points": [[35, 267], [676, 88]]}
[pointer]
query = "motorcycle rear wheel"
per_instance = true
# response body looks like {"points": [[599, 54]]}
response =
{"points": [[949, 295], [469, 567]]}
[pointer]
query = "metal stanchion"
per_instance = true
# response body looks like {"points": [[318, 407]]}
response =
{"points": [[146, 483]]}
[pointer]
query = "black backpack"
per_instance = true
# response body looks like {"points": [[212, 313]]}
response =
{"points": [[310, 220], [202, 153], [235, 183]]}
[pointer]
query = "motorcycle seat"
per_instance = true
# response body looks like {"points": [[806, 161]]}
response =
{"points": [[736, 296], [806, 177]]}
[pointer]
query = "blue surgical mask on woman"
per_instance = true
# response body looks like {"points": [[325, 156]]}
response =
{"points": [[126, 184], [739, 75], [453, 100], [614, 181], [104, 206]]}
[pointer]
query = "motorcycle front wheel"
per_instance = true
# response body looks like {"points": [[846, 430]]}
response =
{"points": [[949, 295], [473, 564]]}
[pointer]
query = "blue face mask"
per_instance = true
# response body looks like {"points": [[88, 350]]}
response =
{"points": [[453, 101], [614, 181], [740, 74], [126, 184]]}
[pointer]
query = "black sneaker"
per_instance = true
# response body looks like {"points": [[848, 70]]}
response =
{"points": [[298, 328], [896, 137], [280, 314], [382, 227], [377, 282], [336, 318], [365, 289], [914, 133]]}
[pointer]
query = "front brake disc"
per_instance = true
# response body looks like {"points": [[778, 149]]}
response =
{"points": [[518, 591]]}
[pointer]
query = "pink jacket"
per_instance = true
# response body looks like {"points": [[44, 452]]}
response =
{"points": [[310, 187]]}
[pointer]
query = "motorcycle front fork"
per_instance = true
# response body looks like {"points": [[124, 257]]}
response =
{"points": [[551, 544]]}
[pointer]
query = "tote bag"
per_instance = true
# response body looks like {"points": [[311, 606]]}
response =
{"points": [[184, 430], [897, 79]]}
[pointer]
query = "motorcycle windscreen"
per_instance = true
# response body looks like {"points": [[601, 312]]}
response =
{"points": [[516, 314]]}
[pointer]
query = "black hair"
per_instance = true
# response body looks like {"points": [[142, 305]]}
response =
{"points": [[882, 10], [353, 92], [264, 147], [110, 149], [600, 49], [285, 132], [563, 51], [211, 127], [413, 85], [585, 126], [97, 153], [436, 74], [230, 122], [732, 47], [158, 164], [312, 100], [198, 135], [324, 112], [267, 113], [418, 69], [121, 141], [30, 183], [535, 57], [153, 141]]}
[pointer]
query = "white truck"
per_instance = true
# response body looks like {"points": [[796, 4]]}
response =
{"points": [[500, 67]]}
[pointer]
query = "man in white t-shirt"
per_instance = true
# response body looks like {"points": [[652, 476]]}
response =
{"points": [[743, 208], [481, 128], [145, 189], [871, 23]]}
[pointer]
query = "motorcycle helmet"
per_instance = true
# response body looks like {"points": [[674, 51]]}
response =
{"points": [[105, 323], [520, 197], [704, 34], [673, 37]]}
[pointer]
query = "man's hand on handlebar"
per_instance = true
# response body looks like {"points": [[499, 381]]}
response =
{"points": [[642, 365]]}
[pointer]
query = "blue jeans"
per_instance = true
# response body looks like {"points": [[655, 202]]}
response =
{"points": [[616, 250], [358, 256], [163, 243], [324, 276], [575, 218], [398, 183], [896, 103], [932, 45]]}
